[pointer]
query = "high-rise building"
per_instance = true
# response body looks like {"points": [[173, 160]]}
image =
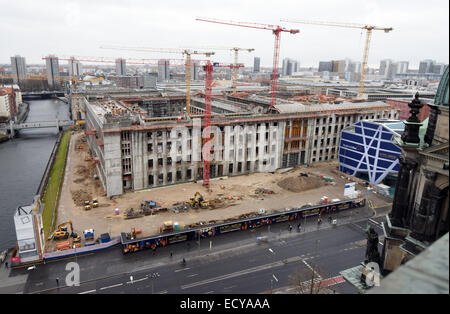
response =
{"points": [[438, 68], [256, 64], [325, 66], [339, 66], [354, 67], [163, 70], [52, 67], [384, 67], [121, 67], [392, 70], [74, 67], [18, 68], [426, 66], [402, 67], [289, 67]]}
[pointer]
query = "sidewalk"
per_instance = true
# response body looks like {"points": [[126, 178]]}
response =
{"points": [[231, 243], [11, 282]]}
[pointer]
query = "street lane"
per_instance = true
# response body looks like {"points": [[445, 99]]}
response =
{"points": [[244, 269]]}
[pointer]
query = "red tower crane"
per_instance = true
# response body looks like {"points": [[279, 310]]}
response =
{"points": [[206, 148], [276, 30]]}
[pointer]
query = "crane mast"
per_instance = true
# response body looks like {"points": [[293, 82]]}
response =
{"points": [[276, 30], [186, 52], [206, 147], [368, 28]]}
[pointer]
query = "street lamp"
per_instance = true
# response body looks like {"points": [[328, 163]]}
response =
{"points": [[153, 276], [273, 275]]}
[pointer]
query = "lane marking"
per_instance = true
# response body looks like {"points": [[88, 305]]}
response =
{"points": [[275, 278], [162, 292], [227, 288], [182, 269], [312, 269], [209, 292], [113, 286], [242, 272], [137, 280], [90, 291], [193, 275]]}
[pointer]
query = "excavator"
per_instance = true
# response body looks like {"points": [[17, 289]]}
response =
{"points": [[62, 232], [198, 201]]}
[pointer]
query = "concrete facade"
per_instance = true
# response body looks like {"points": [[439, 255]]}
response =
{"points": [[137, 152]]}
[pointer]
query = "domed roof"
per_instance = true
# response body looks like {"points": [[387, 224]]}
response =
{"points": [[441, 98]]}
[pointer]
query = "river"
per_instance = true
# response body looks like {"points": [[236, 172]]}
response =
{"points": [[23, 161]]}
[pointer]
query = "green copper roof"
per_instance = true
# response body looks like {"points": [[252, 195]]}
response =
{"points": [[443, 90]]}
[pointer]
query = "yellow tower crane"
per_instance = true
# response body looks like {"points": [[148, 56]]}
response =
{"points": [[183, 51], [368, 28]]}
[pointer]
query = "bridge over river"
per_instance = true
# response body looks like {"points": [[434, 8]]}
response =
{"points": [[12, 127], [42, 94]]}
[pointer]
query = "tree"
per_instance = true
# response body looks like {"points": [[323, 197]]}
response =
{"points": [[308, 280]]}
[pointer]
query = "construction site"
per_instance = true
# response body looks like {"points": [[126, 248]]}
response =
{"points": [[85, 205], [170, 158]]}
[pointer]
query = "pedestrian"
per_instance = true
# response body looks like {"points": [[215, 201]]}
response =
{"points": [[57, 282], [6, 265], [171, 254], [330, 218], [290, 228], [299, 227]]}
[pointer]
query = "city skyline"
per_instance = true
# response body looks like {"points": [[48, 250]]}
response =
{"points": [[81, 31]]}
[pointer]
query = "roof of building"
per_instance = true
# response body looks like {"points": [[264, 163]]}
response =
{"points": [[425, 273], [442, 93], [290, 107]]}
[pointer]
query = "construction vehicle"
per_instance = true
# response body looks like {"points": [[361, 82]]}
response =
{"points": [[94, 203], [62, 234], [131, 213], [167, 227], [198, 201]]}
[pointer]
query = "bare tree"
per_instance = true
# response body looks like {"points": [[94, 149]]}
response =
{"points": [[308, 280]]}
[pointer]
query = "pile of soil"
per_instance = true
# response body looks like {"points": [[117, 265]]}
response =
{"points": [[80, 196], [82, 171], [299, 184], [79, 180]]}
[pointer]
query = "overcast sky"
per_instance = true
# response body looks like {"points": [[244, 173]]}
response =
{"points": [[34, 29]]}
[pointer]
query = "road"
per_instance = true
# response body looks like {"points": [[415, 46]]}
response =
{"points": [[232, 264]]}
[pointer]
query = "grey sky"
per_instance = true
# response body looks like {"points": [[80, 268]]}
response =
{"points": [[34, 29]]}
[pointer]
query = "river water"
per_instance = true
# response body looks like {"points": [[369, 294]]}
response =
{"points": [[22, 164]]}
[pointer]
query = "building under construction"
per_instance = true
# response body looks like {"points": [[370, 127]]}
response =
{"points": [[144, 139]]}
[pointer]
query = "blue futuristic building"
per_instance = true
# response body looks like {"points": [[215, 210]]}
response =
{"points": [[367, 149]]}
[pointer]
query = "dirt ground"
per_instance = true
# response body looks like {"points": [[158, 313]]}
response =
{"points": [[289, 190]]}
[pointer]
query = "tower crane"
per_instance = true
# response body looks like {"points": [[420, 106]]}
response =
{"points": [[209, 67], [276, 30], [186, 52], [236, 58], [368, 28]]}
